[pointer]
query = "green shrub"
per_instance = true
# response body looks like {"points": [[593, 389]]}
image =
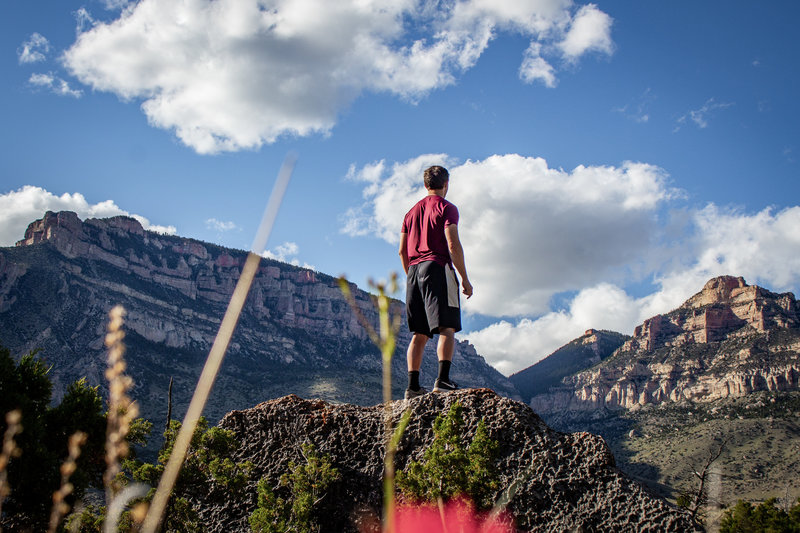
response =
{"points": [[449, 469], [206, 461], [763, 518], [35, 475], [307, 485]]}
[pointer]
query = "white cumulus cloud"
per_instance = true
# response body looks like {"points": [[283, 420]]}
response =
{"points": [[54, 84], [529, 231], [534, 235], [510, 347], [287, 253], [590, 30], [235, 74], [21, 207], [34, 49], [764, 248], [220, 225]]}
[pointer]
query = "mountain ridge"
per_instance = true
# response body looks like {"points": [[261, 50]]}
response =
{"points": [[297, 333], [579, 354], [718, 372], [729, 339]]}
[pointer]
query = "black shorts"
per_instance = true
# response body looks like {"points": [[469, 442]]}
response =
{"points": [[432, 300]]}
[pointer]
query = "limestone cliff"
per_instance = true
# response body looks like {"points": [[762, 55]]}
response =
{"points": [[728, 340], [297, 334]]}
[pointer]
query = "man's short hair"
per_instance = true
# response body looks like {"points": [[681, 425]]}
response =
{"points": [[436, 177]]}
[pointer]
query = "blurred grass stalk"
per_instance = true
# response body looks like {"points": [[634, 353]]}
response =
{"points": [[216, 355], [121, 409], [10, 449], [60, 507], [385, 340]]}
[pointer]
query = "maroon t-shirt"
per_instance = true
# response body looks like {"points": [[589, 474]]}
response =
{"points": [[424, 224]]}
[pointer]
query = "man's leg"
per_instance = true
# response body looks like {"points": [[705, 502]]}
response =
{"points": [[445, 349], [416, 348], [447, 344]]}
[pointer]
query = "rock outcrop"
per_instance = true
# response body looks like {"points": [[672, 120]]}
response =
{"points": [[730, 339], [568, 482], [297, 333]]}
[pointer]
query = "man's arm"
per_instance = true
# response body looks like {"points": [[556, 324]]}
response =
{"points": [[457, 256], [404, 251]]}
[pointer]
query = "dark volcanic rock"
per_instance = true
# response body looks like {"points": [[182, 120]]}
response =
{"points": [[570, 480]]}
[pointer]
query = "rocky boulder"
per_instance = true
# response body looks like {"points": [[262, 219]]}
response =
{"points": [[569, 482]]}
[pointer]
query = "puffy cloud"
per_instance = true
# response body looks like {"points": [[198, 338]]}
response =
{"points": [[219, 225], [234, 74], [529, 231], [534, 67], [764, 248], [532, 234], [287, 253], [54, 84], [590, 31], [511, 347], [21, 207], [34, 49]]}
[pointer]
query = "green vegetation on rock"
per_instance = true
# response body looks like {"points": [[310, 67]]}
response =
{"points": [[449, 468], [306, 485], [766, 517]]}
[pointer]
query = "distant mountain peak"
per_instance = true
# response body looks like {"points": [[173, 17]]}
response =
{"points": [[725, 304], [729, 339], [66, 224]]}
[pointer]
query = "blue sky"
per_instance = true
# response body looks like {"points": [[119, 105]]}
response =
{"points": [[607, 158]]}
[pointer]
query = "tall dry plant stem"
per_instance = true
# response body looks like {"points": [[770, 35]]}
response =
{"points": [[209, 374], [10, 449], [121, 409], [60, 506], [385, 340]]}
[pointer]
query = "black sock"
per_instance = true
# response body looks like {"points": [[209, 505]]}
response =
{"points": [[444, 370], [413, 379]]}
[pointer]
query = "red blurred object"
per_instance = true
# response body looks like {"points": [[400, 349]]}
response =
{"points": [[457, 516]]}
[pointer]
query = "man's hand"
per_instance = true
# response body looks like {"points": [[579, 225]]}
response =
{"points": [[467, 288]]}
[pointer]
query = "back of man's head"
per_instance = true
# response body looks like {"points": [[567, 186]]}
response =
{"points": [[436, 177]]}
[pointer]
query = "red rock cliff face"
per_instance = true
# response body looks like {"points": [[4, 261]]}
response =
{"points": [[730, 339]]}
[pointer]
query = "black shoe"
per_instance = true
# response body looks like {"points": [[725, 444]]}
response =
{"points": [[414, 393], [444, 385]]}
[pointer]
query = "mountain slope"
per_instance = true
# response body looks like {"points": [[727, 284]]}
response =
{"points": [[728, 340], [720, 370], [297, 334], [579, 354]]}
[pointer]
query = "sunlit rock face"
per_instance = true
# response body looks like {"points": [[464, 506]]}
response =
{"points": [[297, 333], [730, 339]]}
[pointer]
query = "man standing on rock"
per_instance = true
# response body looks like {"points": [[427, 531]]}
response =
{"points": [[429, 249]]}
